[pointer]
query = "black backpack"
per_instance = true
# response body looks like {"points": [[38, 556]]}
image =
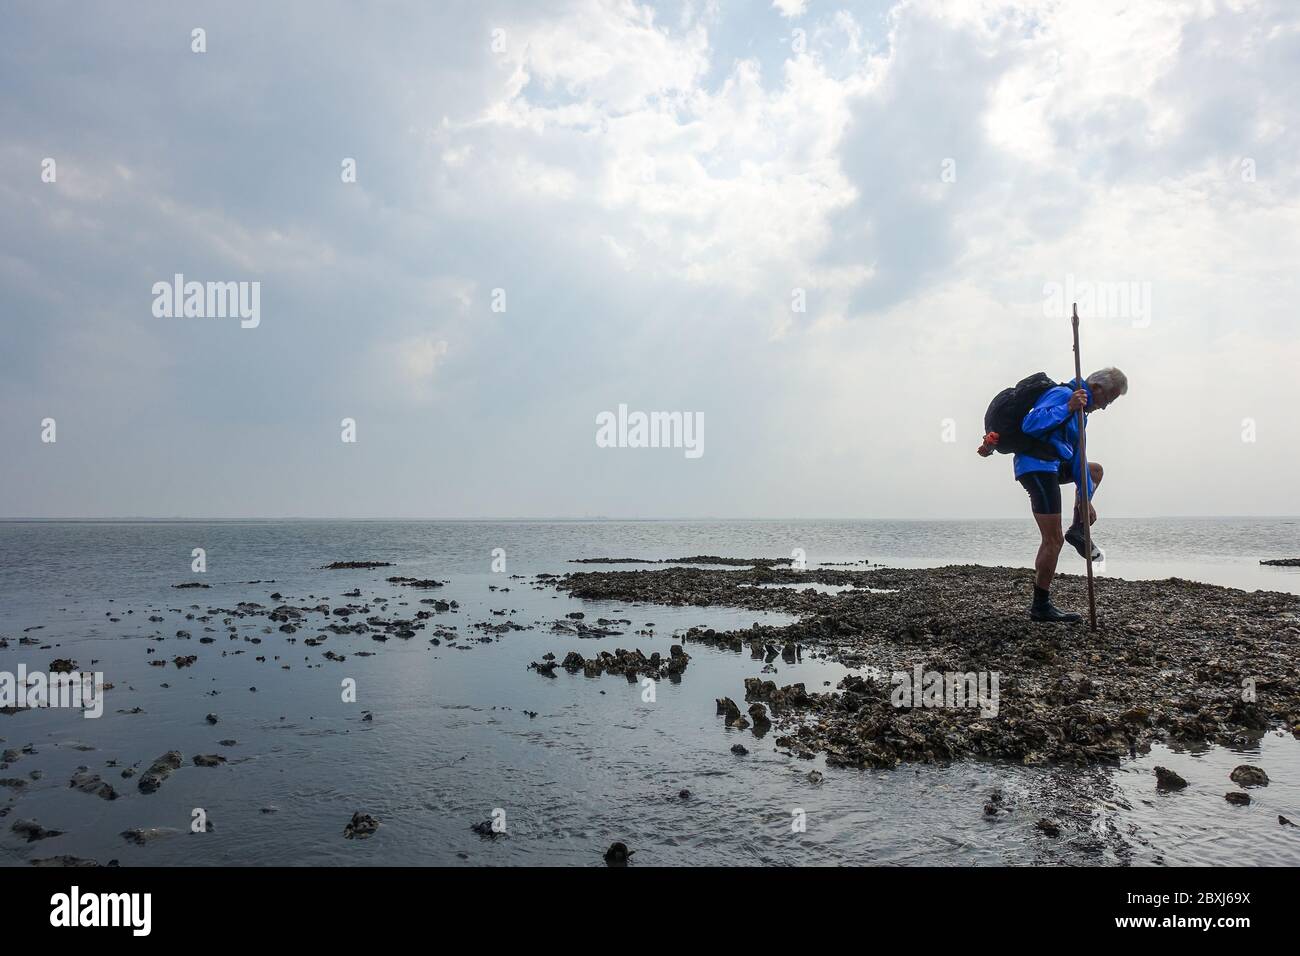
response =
{"points": [[1009, 408]]}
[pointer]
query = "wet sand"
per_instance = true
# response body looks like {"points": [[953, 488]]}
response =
{"points": [[285, 766]]}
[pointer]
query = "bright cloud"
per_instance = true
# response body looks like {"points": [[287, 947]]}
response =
{"points": [[828, 228]]}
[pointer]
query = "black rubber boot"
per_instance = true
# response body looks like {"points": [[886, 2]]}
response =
{"points": [[1044, 610], [1075, 537]]}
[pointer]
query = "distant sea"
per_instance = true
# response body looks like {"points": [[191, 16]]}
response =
{"points": [[40, 559], [457, 733]]}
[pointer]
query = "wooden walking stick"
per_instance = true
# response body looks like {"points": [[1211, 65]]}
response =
{"points": [[1085, 510]]}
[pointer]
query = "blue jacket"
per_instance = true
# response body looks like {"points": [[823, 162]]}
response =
{"points": [[1053, 422]]}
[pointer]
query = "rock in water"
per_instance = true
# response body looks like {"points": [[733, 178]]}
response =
{"points": [[1237, 798], [88, 782], [1166, 779], [65, 860], [159, 771], [142, 836], [617, 854], [1046, 826], [33, 831], [1248, 776], [361, 826]]}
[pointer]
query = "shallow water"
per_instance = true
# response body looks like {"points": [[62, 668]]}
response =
{"points": [[450, 740], [821, 588]]}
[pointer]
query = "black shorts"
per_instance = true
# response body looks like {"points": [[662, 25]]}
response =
{"points": [[1045, 489]]}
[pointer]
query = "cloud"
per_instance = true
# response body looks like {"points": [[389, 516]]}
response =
{"points": [[651, 189], [409, 367]]}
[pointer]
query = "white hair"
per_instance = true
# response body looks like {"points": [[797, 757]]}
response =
{"points": [[1112, 380]]}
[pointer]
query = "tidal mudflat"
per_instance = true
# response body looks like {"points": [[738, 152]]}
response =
{"points": [[378, 712], [1171, 660]]}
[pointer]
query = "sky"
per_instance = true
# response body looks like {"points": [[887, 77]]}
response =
{"points": [[829, 232]]}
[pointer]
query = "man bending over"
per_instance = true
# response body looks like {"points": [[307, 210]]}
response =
{"points": [[1054, 420]]}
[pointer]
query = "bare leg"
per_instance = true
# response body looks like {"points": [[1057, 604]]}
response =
{"points": [[1049, 526], [1096, 471]]}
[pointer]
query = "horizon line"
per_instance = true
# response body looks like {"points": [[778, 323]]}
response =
{"points": [[589, 518]]}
